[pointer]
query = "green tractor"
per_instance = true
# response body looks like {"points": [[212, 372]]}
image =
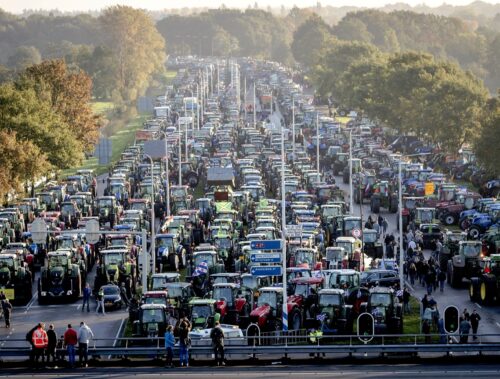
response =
{"points": [[451, 243], [466, 264], [372, 247], [203, 313], [15, 280], [60, 279], [116, 267], [107, 209], [383, 195], [363, 183], [485, 289]]}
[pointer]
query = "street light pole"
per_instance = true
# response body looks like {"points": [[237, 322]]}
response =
{"points": [[153, 236], [293, 128], [351, 203], [180, 155], [283, 231], [317, 148], [245, 97], [254, 107], [167, 173]]}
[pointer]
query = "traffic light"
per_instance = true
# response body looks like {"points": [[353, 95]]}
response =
{"points": [[451, 319], [366, 327]]}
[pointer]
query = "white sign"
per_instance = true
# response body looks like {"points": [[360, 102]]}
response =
{"points": [[39, 231], [92, 234], [356, 233], [293, 230]]}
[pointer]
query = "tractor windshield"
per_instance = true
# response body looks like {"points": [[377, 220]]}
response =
{"points": [[178, 192], [201, 311], [200, 258], [426, 216], [331, 211], [302, 257], [369, 237], [137, 206], [223, 293], [103, 203], [58, 261], [267, 297], [471, 250], [66, 244], [113, 258], [329, 300], [223, 243], [166, 242], [67, 209], [152, 315], [6, 262], [380, 300], [352, 224], [343, 281]]}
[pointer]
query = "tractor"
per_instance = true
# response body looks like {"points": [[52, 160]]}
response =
{"points": [[485, 289], [170, 252], [107, 209], [465, 264], [356, 167], [372, 247], [332, 221], [202, 313], [425, 215], [59, 279], [116, 267], [482, 222], [386, 311], [451, 243], [383, 195], [363, 186], [340, 162], [70, 214], [449, 213], [233, 304], [151, 321], [333, 315], [304, 293], [15, 280]]}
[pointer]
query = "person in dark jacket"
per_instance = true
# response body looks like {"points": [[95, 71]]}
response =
{"points": [[464, 330], [474, 323], [217, 336], [51, 347], [7, 311]]}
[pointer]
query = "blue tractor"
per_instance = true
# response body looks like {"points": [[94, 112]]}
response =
{"points": [[482, 222]]}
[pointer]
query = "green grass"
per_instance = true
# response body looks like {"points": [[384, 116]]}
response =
{"points": [[101, 107]]}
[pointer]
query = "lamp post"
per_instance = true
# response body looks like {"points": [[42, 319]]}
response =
{"points": [[317, 148], [283, 231], [293, 128], [153, 236], [351, 204], [254, 107], [166, 173], [180, 155]]}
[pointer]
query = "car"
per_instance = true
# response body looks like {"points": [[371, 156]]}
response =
{"points": [[112, 297], [383, 278]]}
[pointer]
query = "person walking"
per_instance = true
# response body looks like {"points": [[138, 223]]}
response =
{"points": [[86, 297], [70, 341], [184, 342], [7, 311], [385, 226], [169, 346], [464, 330], [100, 301], [51, 345], [441, 279], [40, 343], [406, 300], [217, 336], [84, 336], [474, 322]]}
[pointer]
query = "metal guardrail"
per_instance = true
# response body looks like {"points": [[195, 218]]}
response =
{"points": [[148, 348]]}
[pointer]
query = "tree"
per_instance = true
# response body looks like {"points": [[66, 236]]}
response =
{"points": [[23, 57], [311, 36], [138, 50], [487, 145], [21, 161], [69, 95], [34, 120], [224, 44]]}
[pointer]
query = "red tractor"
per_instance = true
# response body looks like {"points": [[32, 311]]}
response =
{"points": [[267, 316], [305, 295], [233, 304]]}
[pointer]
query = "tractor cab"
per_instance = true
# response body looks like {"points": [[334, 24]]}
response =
{"points": [[159, 282], [335, 314], [372, 247], [152, 321], [425, 216], [202, 313], [334, 257], [351, 223]]}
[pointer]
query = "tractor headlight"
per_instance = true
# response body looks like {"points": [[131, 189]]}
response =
{"points": [[43, 293]]}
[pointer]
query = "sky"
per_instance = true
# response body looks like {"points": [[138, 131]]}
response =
{"points": [[17, 6]]}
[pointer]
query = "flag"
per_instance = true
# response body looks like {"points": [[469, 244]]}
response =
{"points": [[321, 317]]}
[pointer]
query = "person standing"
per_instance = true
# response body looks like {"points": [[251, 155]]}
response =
{"points": [[7, 311], [184, 329], [70, 340], [84, 336], [441, 279], [169, 346], [464, 330], [385, 226], [474, 322], [217, 336], [40, 342], [406, 300], [51, 345], [100, 301], [86, 297]]}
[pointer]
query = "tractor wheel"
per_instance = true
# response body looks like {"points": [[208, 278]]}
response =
{"points": [[182, 259], [464, 224], [345, 178], [295, 320], [173, 261], [375, 205], [393, 205], [474, 232], [356, 196], [192, 180], [474, 288], [76, 287], [449, 219], [487, 290]]}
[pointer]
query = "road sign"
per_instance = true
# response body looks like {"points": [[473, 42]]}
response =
{"points": [[356, 233], [293, 230], [265, 257], [92, 234], [266, 245], [39, 231], [266, 270], [428, 188]]}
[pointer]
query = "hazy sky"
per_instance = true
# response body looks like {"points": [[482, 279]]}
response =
{"points": [[17, 6]]}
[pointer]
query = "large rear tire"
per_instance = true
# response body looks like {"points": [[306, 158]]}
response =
{"points": [[295, 320], [487, 290], [173, 261], [375, 205], [474, 288]]}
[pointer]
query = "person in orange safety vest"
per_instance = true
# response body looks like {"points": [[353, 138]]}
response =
{"points": [[40, 343]]}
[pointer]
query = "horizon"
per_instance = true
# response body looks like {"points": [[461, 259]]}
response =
{"points": [[20, 6]]}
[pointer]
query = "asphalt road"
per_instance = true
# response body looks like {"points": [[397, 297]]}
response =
{"points": [[424, 370]]}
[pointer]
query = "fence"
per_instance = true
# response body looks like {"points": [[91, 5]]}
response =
{"points": [[275, 346]]}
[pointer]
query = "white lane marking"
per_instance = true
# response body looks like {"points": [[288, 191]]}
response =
{"points": [[30, 304], [117, 335], [477, 305], [498, 324]]}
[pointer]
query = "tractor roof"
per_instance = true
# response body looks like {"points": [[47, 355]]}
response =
{"points": [[331, 291], [311, 280], [202, 302]]}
